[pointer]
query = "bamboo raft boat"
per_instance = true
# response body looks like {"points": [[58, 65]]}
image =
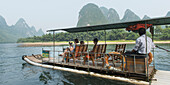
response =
{"points": [[134, 69], [97, 71]]}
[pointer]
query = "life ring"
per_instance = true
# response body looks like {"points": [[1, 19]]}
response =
{"points": [[150, 58]]}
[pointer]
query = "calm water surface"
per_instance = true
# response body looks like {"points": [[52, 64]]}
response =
{"points": [[15, 71]]}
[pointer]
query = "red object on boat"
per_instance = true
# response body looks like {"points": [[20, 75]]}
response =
{"points": [[136, 27]]}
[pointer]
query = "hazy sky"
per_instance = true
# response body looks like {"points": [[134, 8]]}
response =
{"points": [[48, 14]]}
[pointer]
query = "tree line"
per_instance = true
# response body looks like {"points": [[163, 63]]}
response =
{"points": [[114, 34]]}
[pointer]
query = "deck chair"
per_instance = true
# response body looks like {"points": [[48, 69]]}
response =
{"points": [[79, 51], [82, 50], [120, 49], [101, 50], [101, 54], [73, 54], [91, 53], [85, 48], [97, 53]]}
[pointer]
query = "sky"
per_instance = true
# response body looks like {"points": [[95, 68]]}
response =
{"points": [[50, 14]]}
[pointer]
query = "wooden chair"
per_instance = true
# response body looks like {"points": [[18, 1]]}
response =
{"points": [[73, 54], [101, 54], [120, 49], [91, 53], [78, 51], [96, 53], [82, 50]]}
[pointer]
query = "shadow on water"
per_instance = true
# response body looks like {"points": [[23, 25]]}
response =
{"points": [[57, 77], [45, 77]]}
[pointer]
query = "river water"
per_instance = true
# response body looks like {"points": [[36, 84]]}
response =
{"points": [[15, 71]]}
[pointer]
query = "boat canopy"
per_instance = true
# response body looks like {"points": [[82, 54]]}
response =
{"points": [[121, 25]]}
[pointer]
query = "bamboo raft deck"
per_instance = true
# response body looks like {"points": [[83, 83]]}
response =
{"points": [[96, 69]]}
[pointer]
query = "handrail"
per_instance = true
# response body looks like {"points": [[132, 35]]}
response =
{"points": [[123, 65]]}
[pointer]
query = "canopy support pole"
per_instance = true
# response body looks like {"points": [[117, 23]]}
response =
{"points": [[146, 53], [87, 38], [105, 36], [87, 49], [53, 46], [153, 47]]}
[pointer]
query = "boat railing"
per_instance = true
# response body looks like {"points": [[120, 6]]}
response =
{"points": [[126, 63]]}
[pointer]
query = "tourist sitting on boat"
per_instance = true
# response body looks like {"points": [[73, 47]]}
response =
{"points": [[75, 43], [91, 53], [95, 41], [81, 42], [140, 46], [70, 48]]}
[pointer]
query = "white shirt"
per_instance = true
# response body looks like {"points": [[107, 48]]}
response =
{"points": [[140, 46]]}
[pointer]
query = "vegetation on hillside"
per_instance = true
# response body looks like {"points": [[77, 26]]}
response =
{"points": [[120, 34], [91, 14]]}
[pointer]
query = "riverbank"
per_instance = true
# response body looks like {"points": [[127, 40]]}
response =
{"points": [[37, 44]]}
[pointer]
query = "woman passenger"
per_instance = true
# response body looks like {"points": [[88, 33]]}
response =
{"points": [[71, 50], [67, 49]]}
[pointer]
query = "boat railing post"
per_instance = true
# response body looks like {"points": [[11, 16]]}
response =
{"points": [[113, 57], [88, 61], [68, 59], [53, 46], [58, 56], [126, 62], [153, 48], [147, 68], [123, 62], [95, 60], [80, 59], [134, 62], [104, 61]]}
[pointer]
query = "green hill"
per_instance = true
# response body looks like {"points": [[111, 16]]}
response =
{"points": [[91, 14], [19, 30]]}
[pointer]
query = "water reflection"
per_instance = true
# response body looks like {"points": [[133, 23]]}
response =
{"points": [[45, 77], [80, 79], [57, 77], [15, 71]]}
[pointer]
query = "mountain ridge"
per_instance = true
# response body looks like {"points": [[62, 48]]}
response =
{"points": [[110, 15], [130, 16], [90, 15], [20, 30]]}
